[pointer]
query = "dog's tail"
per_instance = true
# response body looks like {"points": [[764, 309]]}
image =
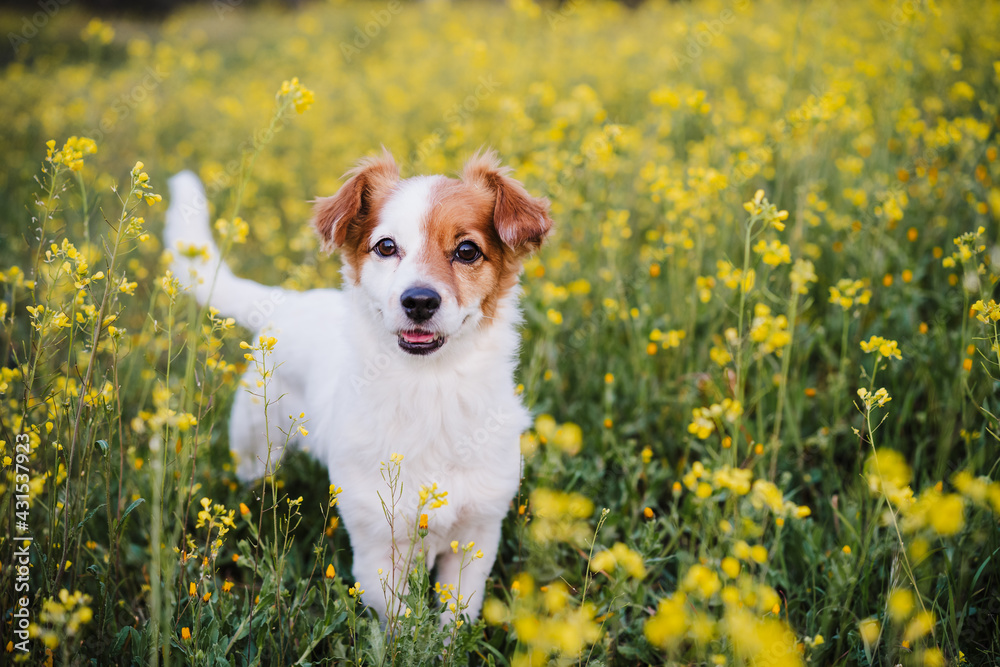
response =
{"points": [[198, 264]]}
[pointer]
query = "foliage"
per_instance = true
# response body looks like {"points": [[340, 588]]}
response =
{"points": [[762, 346]]}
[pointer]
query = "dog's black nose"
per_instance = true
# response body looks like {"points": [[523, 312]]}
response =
{"points": [[420, 303]]}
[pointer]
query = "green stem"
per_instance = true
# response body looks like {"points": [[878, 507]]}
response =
{"points": [[88, 377], [158, 462], [841, 369], [786, 360], [739, 332]]}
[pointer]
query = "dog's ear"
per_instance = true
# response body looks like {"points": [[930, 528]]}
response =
{"points": [[339, 219], [522, 221]]}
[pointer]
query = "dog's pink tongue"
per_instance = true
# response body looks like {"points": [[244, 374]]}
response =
{"points": [[417, 337]]}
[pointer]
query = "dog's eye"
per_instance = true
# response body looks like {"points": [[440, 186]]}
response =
{"points": [[386, 248], [467, 252]]}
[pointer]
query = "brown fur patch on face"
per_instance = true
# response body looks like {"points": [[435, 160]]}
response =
{"points": [[346, 219], [522, 221], [464, 212]]}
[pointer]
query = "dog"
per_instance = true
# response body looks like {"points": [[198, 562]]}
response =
{"points": [[413, 356]]}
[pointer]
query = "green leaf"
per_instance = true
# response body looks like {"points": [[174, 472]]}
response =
{"points": [[120, 640], [128, 510], [89, 516]]}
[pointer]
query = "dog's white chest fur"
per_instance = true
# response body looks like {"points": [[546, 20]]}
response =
{"points": [[455, 419]]}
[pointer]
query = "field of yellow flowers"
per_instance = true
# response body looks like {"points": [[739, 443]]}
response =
{"points": [[761, 348]]}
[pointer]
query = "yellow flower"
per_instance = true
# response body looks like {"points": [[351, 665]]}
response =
{"points": [[933, 657], [545, 427], [705, 285], [921, 624], [719, 355], [734, 278], [705, 419], [433, 496], [700, 579], [98, 30], [803, 273], [887, 349], [758, 640], [768, 212], [773, 252], [877, 399], [947, 514], [848, 292], [569, 438], [619, 556], [887, 472], [766, 494], [900, 604], [185, 633], [72, 152], [986, 312], [673, 338], [870, 631], [301, 97], [667, 626], [494, 611]]}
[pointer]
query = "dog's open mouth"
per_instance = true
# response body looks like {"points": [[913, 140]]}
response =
{"points": [[419, 341]]}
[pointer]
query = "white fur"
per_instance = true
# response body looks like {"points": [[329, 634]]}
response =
{"points": [[453, 414]]}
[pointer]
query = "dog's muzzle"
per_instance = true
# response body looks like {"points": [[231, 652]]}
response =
{"points": [[420, 304]]}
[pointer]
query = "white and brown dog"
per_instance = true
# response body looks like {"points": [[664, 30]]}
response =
{"points": [[415, 355]]}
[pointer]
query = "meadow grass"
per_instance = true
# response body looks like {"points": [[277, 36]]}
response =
{"points": [[761, 346]]}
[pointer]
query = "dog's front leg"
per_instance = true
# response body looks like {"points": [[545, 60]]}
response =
{"points": [[383, 581], [467, 570]]}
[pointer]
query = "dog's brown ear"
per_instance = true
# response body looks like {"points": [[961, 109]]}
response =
{"points": [[340, 219], [522, 221]]}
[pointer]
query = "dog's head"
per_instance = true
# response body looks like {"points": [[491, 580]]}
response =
{"points": [[433, 255]]}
